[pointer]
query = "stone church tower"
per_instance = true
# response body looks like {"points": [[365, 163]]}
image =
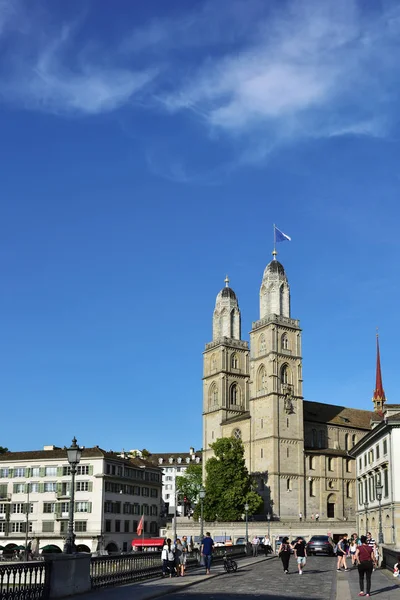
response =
{"points": [[297, 450]]}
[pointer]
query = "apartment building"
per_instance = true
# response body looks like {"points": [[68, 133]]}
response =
{"points": [[112, 491]]}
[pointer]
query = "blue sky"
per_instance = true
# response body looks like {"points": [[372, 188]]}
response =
{"points": [[146, 149]]}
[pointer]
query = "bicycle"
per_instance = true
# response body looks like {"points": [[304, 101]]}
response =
{"points": [[230, 565]]}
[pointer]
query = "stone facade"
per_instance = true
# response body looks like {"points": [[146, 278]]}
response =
{"points": [[297, 449]]}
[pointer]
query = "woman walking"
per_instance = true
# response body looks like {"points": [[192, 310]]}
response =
{"points": [[284, 553], [366, 562], [168, 559], [353, 550]]}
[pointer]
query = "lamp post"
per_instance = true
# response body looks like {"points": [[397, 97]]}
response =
{"points": [[74, 454], [379, 490], [366, 516], [202, 495], [269, 525], [246, 510]]}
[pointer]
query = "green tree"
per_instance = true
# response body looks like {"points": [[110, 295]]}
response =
{"points": [[228, 483], [3, 450], [189, 484], [145, 453]]}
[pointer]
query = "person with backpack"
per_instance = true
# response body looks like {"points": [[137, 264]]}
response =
{"points": [[366, 563], [284, 554], [342, 553], [168, 559]]}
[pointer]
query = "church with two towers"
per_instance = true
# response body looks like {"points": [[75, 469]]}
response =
{"points": [[297, 450]]}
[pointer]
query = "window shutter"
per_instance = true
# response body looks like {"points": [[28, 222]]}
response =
{"points": [[58, 509], [11, 473], [27, 488], [3, 490], [89, 507], [41, 488], [59, 471], [90, 469], [42, 471], [28, 472], [15, 488], [59, 488], [75, 507], [90, 488]]}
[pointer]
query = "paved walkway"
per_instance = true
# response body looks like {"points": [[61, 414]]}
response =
{"points": [[384, 586]]}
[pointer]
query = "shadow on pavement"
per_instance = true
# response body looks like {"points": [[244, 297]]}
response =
{"points": [[389, 588], [215, 595]]}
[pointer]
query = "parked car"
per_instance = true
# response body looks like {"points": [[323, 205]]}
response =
{"points": [[240, 541], [320, 544]]}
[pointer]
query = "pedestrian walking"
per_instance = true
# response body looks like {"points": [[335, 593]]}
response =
{"points": [[353, 549], [254, 545], [267, 544], [396, 568], [300, 553], [206, 550], [300, 517], [168, 559], [341, 553], [178, 557], [366, 562], [185, 550], [312, 516], [284, 554], [317, 517]]}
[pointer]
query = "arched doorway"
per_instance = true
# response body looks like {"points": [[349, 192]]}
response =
{"points": [[330, 506], [83, 548], [112, 548], [51, 549]]}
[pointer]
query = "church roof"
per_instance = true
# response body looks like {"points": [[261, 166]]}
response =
{"points": [[379, 393], [337, 415], [275, 267], [228, 292]]}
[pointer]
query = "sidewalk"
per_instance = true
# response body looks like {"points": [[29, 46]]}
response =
{"points": [[153, 588], [384, 586]]}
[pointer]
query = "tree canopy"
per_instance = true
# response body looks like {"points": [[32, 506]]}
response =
{"points": [[228, 483], [3, 450], [189, 484]]}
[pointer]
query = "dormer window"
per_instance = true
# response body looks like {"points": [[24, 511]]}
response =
{"points": [[160, 461], [188, 459], [197, 459], [170, 460], [179, 460]]}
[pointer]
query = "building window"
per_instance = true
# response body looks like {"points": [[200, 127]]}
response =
{"points": [[80, 526], [288, 485], [108, 526], [233, 394], [377, 452], [385, 483], [314, 438], [346, 441], [261, 453], [234, 361], [312, 462], [2, 527], [49, 507], [312, 487], [48, 526], [285, 342], [83, 486], [348, 466], [371, 489], [261, 379], [4, 472], [50, 486], [64, 507], [214, 394], [19, 472], [384, 447], [19, 488], [371, 457], [82, 506], [360, 494], [154, 510], [366, 496], [331, 464], [117, 526], [67, 471], [354, 439], [237, 434], [50, 471], [145, 491], [85, 470], [262, 347], [63, 526], [287, 452], [349, 491], [360, 463], [33, 488], [20, 526], [284, 375]]}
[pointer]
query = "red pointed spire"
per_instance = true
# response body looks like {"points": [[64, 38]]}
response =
{"points": [[379, 393]]}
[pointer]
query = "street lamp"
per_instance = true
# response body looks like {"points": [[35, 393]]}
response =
{"points": [[366, 516], [246, 510], [202, 495], [379, 490], [74, 454]]}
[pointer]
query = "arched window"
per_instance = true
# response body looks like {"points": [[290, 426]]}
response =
{"points": [[312, 462], [346, 441], [288, 484], [262, 347], [331, 464], [214, 395], [233, 394], [234, 361], [285, 342], [321, 442], [312, 487], [261, 379], [349, 491], [314, 441], [285, 374], [354, 440]]}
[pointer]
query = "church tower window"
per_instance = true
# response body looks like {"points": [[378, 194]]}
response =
{"points": [[261, 379], [346, 441], [285, 374], [288, 485], [214, 394], [262, 347], [285, 342], [354, 439], [233, 394], [312, 487], [234, 361]]}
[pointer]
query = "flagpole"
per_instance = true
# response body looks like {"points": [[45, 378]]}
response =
{"points": [[274, 253]]}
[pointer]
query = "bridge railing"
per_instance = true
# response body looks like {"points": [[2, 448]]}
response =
{"points": [[25, 581]]}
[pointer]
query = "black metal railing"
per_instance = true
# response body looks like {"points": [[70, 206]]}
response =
{"points": [[117, 570], [25, 581]]}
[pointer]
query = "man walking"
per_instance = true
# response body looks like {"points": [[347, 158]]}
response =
{"points": [[300, 517], [317, 517], [300, 553], [254, 544], [206, 550]]}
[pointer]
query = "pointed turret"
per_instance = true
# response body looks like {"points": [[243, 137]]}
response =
{"points": [[274, 291], [226, 318], [379, 397]]}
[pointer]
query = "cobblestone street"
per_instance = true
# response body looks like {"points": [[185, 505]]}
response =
{"points": [[267, 580]]}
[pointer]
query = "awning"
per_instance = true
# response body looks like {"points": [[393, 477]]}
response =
{"points": [[148, 542]]}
